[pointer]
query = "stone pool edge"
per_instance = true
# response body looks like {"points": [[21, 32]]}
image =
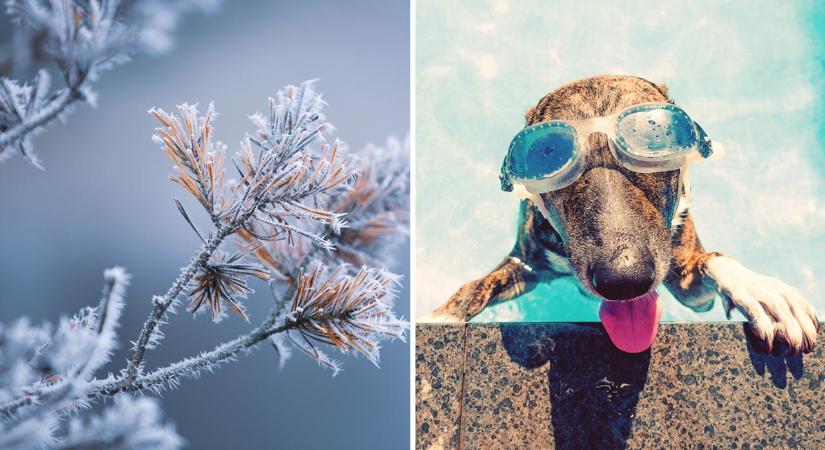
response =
{"points": [[538, 385]]}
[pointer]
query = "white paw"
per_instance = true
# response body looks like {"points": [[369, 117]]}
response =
{"points": [[774, 309]]}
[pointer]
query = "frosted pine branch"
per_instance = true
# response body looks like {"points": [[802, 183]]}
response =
{"points": [[82, 38], [277, 191], [300, 205], [377, 207], [348, 312], [376, 210], [24, 110]]}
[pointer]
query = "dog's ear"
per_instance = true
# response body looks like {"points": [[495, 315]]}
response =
{"points": [[661, 87], [530, 116]]}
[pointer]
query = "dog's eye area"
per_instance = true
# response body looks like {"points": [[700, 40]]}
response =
{"points": [[650, 132], [542, 151]]}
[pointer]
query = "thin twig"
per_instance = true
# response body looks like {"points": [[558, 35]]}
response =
{"points": [[10, 408], [44, 116], [162, 304], [74, 382], [219, 354]]}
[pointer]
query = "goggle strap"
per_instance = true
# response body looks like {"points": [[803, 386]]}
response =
{"points": [[523, 194], [682, 178], [506, 184], [718, 150], [705, 144], [536, 199]]}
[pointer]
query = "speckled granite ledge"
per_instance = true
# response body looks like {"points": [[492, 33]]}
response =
{"points": [[526, 386]]}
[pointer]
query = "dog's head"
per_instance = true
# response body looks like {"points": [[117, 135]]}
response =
{"points": [[615, 222]]}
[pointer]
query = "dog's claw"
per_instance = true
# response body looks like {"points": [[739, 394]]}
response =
{"points": [[780, 317], [760, 343], [728, 305]]}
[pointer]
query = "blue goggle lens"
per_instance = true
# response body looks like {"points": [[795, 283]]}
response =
{"points": [[656, 131], [542, 150]]}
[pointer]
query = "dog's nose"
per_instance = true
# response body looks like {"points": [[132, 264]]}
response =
{"points": [[623, 278]]}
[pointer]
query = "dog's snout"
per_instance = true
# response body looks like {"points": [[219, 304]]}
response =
{"points": [[626, 277]]}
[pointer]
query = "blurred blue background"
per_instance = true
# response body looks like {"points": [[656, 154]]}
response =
{"points": [[104, 199], [752, 73]]}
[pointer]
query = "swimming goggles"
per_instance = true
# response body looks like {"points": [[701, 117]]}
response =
{"points": [[649, 137]]}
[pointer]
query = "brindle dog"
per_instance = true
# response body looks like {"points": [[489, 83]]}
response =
{"points": [[620, 233]]}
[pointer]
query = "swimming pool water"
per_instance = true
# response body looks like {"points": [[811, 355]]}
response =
{"points": [[751, 73]]}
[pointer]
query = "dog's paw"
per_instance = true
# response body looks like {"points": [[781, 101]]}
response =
{"points": [[776, 312], [464, 304]]}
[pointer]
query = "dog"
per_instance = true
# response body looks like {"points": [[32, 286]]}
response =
{"points": [[622, 233]]}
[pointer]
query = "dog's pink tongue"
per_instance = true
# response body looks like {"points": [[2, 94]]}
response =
{"points": [[632, 324]]}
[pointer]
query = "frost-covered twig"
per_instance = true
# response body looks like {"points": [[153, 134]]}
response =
{"points": [[29, 108], [345, 311], [170, 375], [82, 38], [45, 374], [148, 336]]}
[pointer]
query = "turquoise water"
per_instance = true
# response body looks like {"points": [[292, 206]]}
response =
{"points": [[751, 72]]}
